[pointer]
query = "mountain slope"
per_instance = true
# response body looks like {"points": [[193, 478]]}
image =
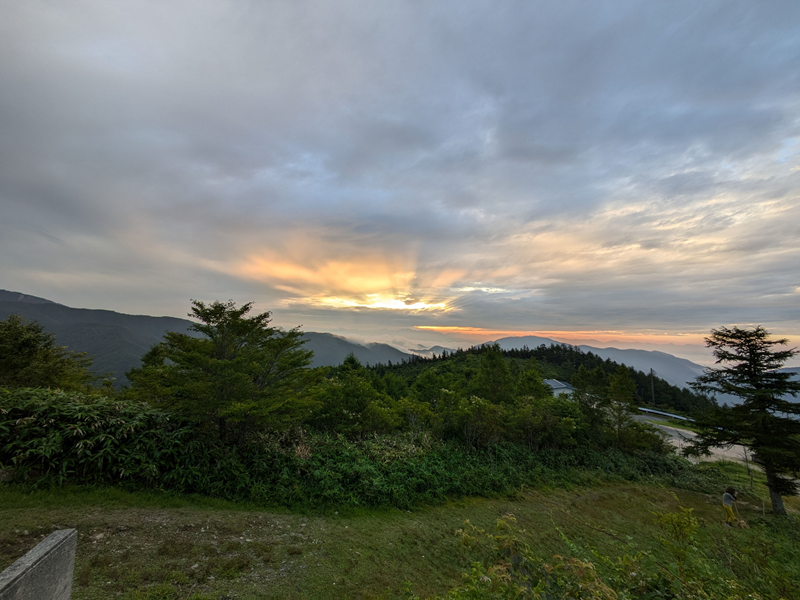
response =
{"points": [[332, 349], [117, 341], [677, 371]]}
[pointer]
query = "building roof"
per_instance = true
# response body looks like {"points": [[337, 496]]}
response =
{"points": [[558, 385]]}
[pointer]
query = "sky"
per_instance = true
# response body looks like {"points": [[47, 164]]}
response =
{"points": [[416, 173]]}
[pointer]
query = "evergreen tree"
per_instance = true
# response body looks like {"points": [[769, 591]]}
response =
{"points": [[239, 374], [494, 381], [766, 421]]}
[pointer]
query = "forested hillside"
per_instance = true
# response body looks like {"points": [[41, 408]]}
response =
{"points": [[117, 341], [458, 371]]}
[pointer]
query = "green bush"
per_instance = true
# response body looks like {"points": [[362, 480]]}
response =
{"points": [[53, 438]]}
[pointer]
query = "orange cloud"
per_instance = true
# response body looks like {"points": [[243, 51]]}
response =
{"points": [[447, 277], [379, 301], [572, 336], [350, 275], [342, 282]]}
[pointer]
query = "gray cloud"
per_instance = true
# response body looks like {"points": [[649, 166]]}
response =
{"points": [[621, 165]]}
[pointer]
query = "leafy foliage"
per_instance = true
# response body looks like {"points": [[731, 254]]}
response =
{"points": [[29, 357], [493, 380], [556, 361], [49, 437], [352, 406], [56, 436], [547, 422], [482, 399]]}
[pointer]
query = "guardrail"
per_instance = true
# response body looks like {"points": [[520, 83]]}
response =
{"points": [[664, 414]]}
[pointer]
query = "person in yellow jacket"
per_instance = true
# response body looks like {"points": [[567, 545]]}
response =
{"points": [[728, 498]]}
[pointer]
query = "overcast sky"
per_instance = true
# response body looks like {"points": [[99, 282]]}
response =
{"points": [[398, 171]]}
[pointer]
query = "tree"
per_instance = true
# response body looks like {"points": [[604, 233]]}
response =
{"points": [[620, 395], [494, 381], [590, 383], [766, 421], [351, 405], [429, 387], [29, 357], [530, 383], [590, 396], [479, 421], [546, 422], [239, 373]]}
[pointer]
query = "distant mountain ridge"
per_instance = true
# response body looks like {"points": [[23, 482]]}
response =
{"points": [[6, 296], [117, 341]]}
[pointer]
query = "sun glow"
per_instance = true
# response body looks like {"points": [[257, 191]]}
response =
{"points": [[380, 301], [351, 276], [364, 282]]}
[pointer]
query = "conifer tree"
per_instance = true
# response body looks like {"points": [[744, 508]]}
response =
{"points": [[766, 421], [238, 374], [494, 381]]}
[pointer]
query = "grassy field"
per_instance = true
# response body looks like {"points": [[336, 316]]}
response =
{"points": [[158, 546]]}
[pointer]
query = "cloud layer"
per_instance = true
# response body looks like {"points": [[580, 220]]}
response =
{"points": [[368, 168]]}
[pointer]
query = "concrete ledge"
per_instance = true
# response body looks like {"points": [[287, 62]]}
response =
{"points": [[44, 573]]}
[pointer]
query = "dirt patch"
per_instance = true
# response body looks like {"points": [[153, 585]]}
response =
{"points": [[131, 553]]}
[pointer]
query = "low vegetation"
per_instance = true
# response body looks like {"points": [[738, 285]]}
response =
{"points": [[55, 438], [151, 545]]}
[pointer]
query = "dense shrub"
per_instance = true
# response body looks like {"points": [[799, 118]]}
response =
{"points": [[406, 470], [50, 437], [55, 437]]}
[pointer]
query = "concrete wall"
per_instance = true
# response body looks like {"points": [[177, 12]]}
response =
{"points": [[44, 573]]}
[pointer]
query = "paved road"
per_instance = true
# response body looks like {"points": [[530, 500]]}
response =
{"points": [[681, 437]]}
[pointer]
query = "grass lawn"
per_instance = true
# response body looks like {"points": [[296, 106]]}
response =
{"points": [[157, 546]]}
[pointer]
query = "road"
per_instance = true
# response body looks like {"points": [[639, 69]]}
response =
{"points": [[680, 438]]}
